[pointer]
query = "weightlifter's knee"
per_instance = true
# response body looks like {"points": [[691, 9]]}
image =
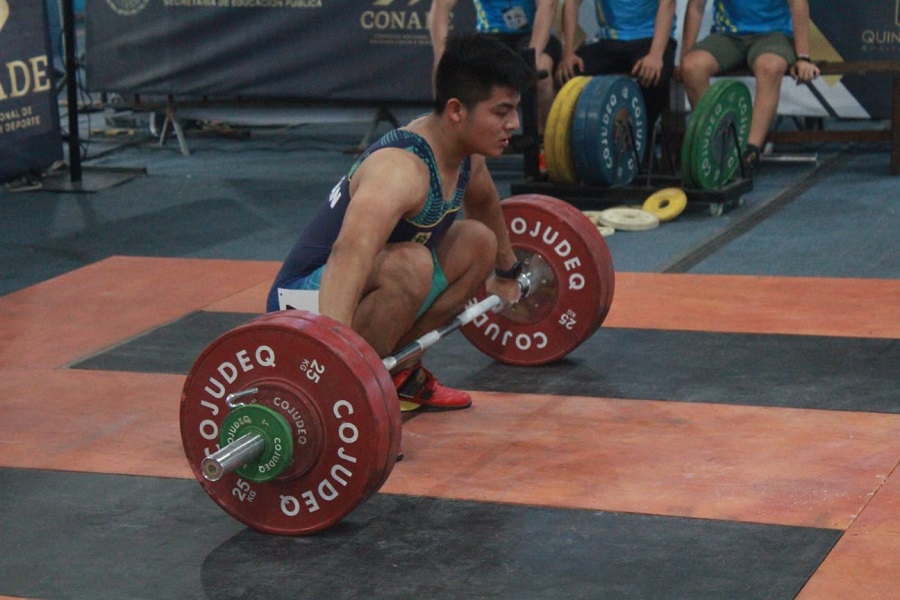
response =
{"points": [[474, 243]]}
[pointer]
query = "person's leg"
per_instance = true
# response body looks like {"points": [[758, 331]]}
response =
{"points": [[464, 260], [768, 58], [546, 87], [399, 283], [712, 55], [604, 57], [656, 97]]}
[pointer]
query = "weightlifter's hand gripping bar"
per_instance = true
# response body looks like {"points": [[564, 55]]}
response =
{"points": [[250, 446], [464, 318]]}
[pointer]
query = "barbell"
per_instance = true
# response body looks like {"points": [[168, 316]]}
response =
{"points": [[292, 420]]}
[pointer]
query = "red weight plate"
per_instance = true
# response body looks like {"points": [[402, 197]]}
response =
{"points": [[392, 403], [379, 382], [572, 290], [597, 249], [325, 387]]}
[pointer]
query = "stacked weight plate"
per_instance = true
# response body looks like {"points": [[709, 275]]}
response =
{"points": [[710, 154], [596, 131], [558, 134]]}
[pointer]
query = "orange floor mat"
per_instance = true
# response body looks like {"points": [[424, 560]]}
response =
{"points": [[739, 463], [754, 304]]}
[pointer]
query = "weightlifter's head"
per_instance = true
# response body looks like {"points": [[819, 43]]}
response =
{"points": [[472, 66]]}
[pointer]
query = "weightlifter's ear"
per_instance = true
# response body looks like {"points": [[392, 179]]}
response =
{"points": [[455, 110]]}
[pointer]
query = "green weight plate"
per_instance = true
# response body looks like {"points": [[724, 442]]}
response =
{"points": [[706, 104], [275, 431], [714, 155], [688, 168], [688, 176]]}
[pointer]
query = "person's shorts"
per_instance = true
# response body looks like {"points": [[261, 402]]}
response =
{"points": [[735, 51], [610, 57], [520, 41], [302, 292]]}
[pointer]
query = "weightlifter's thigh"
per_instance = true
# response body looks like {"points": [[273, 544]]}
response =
{"points": [[397, 287], [467, 252]]}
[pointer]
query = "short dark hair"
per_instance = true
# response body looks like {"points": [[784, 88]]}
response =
{"points": [[472, 65]]}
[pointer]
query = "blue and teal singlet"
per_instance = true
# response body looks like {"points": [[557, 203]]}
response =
{"points": [[627, 19], [427, 227], [747, 17]]}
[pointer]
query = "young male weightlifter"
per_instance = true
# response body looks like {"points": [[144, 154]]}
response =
{"points": [[386, 251]]}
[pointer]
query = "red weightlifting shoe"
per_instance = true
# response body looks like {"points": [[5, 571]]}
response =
{"points": [[418, 385]]}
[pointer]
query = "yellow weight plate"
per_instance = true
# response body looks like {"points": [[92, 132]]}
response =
{"points": [[558, 134], [666, 204]]}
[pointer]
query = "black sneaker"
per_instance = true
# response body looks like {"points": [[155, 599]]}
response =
{"points": [[751, 160]]}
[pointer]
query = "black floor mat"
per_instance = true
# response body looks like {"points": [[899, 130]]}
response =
{"points": [[164, 538]]}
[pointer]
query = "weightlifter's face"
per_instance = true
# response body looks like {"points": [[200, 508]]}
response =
{"points": [[493, 121]]}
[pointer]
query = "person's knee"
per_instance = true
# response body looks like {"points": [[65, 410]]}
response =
{"points": [[479, 244], [698, 66], [769, 68], [545, 63], [483, 240]]}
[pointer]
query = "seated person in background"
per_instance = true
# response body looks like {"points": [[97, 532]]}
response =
{"points": [[635, 36], [385, 250], [767, 36], [519, 24]]}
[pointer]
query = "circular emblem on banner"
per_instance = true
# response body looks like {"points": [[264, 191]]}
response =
{"points": [[127, 7]]}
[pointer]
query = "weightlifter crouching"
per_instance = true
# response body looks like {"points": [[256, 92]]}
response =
{"points": [[385, 251]]}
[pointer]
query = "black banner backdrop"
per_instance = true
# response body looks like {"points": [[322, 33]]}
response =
{"points": [[30, 139], [336, 50], [862, 30]]}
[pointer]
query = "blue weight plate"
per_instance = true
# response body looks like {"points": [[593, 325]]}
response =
{"points": [[609, 131], [581, 134]]}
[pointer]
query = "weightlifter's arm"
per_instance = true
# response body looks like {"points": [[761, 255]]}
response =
{"points": [[482, 203], [389, 184]]}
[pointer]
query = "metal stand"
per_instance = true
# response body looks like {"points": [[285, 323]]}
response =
{"points": [[587, 197], [172, 120], [76, 182]]}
